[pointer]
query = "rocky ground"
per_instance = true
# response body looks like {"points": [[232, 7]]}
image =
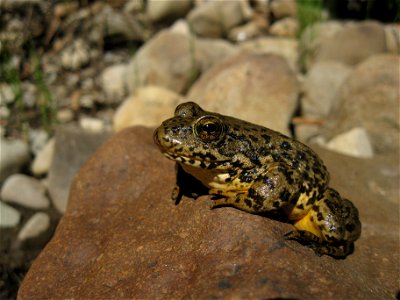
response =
{"points": [[90, 68]]}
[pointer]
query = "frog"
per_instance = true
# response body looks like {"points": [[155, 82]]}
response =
{"points": [[260, 171]]}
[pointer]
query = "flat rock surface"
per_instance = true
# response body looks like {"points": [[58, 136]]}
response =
{"points": [[122, 237]]}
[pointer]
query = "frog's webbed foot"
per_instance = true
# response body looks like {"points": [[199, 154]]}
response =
{"points": [[320, 247], [176, 195]]}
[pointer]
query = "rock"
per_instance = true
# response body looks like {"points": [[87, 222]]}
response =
{"points": [[7, 94], [121, 218], [283, 8], [172, 70], [112, 81], [65, 115], [41, 163], [120, 27], [4, 112], [13, 155], [285, 47], [212, 51], [38, 138], [369, 98], [76, 55], [24, 190], [392, 34], [354, 43], [91, 124], [72, 148], [258, 88], [256, 27], [36, 225], [159, 10], [9, 216], [320, 87], [355, 143], [213, 19], [287, 27], [313, 37], [148, 107], [183, 59]]}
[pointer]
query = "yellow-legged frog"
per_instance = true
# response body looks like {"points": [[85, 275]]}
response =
{"points": [[259, 171]]}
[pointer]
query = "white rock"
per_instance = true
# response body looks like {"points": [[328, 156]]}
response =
{"points": [[41, 163], [36, 225], [25, 190], [4, 112], [65, 115], [7, 95], [181, 27], [76, 55], [91, 124], [113, 82], [13, 154], [9, 216], [354, 143]]}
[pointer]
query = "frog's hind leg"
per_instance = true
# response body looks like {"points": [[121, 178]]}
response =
{"points": [[330, 227], [238, 200]]}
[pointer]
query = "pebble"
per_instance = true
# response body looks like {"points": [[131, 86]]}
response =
{"points": [[91, 124], [9, 216], [354, 142], [38, 138], [65, 115], [24, 190], [36, 225], [113, 82], [13, 155], [76, 55], [41, 163], [7, 95]]}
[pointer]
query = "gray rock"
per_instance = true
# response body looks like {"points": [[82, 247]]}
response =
{"points": [[9, 216], [184, 57], [112, 81], [215, 18], [13, 155], [313, 37], [370, 98], [24, 190], [37, 224], [285, 47], [42, 161], [149, 106], [38, 138], [259, 88], [354, 43], [159, 10], [320, 87], [72, 148]]}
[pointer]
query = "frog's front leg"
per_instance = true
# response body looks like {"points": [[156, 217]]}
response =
{"points": [[330, 227]]}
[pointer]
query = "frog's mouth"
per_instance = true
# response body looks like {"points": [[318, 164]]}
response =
{"points": [[198, 163]]}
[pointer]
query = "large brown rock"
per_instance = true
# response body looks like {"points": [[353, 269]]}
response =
{"points": [[122, 237]]}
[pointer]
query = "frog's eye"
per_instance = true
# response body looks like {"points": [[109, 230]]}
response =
{"points": [[208, 128]]}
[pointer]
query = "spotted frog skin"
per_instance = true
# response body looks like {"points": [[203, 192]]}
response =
{"points": [[260, 171]]}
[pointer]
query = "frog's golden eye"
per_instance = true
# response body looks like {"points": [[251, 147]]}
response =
{"points": [[208, 128]]}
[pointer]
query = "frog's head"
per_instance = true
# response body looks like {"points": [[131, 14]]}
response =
{"points": [[201, 139]]}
